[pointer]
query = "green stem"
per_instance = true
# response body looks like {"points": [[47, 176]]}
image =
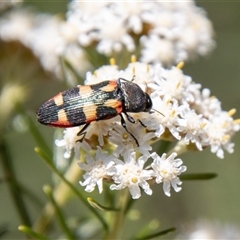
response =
{"points": [[164, 145], [34, 130], [118, 217], [61, 194], [67, 64], [34, 235], [12, 182], [59, 213]]}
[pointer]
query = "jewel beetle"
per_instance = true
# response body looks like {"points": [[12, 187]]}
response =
{"points": [[82, 105]]}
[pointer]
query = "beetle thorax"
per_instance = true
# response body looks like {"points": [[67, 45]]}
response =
{"points": [[133, 97]]}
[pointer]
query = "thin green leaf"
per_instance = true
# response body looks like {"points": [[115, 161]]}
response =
{"points": [[64, 73], [129, 205], [96, 205], [198, 176], [95, 58], [109, 196], [34, 130], [154, 235], [3, 230], [50, 164], [31, 196], [48, 191], [28, 231], [123, 59], [13, 182], [163, 147], [69, 67]]}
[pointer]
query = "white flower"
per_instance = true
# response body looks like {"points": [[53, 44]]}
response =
{"points": [[99, 23], [171, 82], [157, 48], [96, 170], [16, 25], [167, 170], [161, 32], [126, 141], [110, 40], [101, 129], [39, 32], [219, 131], [45, 42], [170, 109], [85, 16], [131, 174], [171, 33], [180, 32], [192, 125], [106, 72], [132, 11], [206, 104], [72, 140], [141, 72], [47, 36]]}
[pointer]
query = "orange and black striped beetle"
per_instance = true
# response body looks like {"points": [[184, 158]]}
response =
{"points": [[84, 104]]}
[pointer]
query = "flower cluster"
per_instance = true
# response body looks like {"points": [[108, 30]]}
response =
{"points": [[167, 32], [160, 31], [190, 117], [130, 172], [46, 36], [163, 33]]}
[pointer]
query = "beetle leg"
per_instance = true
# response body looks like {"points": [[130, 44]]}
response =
{"points": [[142, 123], [132, 80], [82, 132], [125, 127], [130, 119]]}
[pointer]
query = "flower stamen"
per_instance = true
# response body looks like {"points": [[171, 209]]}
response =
{"points": [[180, 65], [112, 61], [232, 112]]}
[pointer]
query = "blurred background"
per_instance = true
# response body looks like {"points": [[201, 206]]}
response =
{"points": [[216, 200]]}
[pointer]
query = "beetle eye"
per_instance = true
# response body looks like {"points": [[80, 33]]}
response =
{"points": [[148, 103]]}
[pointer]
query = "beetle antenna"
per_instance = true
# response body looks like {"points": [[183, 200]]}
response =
{"points": [[133, 78], [157, 112]]}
